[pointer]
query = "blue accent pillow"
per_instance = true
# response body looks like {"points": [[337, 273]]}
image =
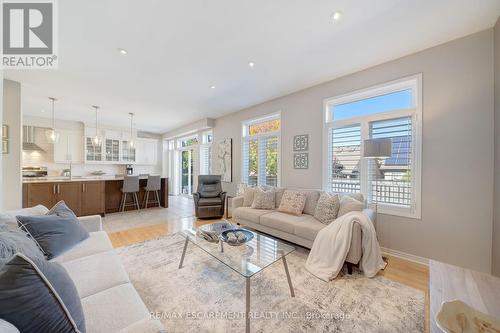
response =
{"points": [[61, 209], [39, 296], [53, 234], [12, 242]]}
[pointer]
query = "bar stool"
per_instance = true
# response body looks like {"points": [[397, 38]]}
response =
{"points": [[130, 185], [153, 185]]}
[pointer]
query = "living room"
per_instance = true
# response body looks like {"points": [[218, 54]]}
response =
{"points": [[298, 168]]}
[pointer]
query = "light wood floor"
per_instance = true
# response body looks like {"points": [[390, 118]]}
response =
{"points": [[406, 272]]}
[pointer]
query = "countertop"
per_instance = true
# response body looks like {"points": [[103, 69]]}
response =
{"points": [[75, 179]]}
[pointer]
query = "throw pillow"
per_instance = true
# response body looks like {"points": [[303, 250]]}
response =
{"points": [[355, 195], [39, 296], [263, 199], [349, 204], [53, 234], [278, 196], [312, 197], [12, 242], [9, 218], [292, 202], [6, 327], [248, 196], [327, 208], [61, 209]]}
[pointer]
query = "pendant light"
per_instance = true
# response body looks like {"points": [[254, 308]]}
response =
{"points": [[51, 134], [97, 139], [132, 143]]}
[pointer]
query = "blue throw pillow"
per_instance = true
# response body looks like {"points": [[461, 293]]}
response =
{"points": [[53, 234], [39, 296], [61, 209], [12, 242]]}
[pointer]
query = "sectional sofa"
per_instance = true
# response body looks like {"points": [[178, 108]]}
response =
{"points": [[301, 230], [109, 300]]}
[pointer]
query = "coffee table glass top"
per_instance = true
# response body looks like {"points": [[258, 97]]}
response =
{"points": [[247, 259]]}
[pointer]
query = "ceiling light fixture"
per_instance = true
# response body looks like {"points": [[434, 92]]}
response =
{"points": [[131, 143], [251, 64], [97, 139], [122, 51], [212, 87], [51, 134], [336, 16]]}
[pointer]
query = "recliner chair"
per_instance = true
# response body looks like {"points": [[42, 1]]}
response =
{"points": [[209, 200]]}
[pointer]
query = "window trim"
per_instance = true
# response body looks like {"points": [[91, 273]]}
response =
{"points": [[413, 82], [245, 137]]}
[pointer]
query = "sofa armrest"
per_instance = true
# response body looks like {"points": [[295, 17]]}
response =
{"points": [[370, 213], [91, 223], [236, 202]]}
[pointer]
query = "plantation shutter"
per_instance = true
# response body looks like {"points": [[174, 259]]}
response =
{"points": [[344, 150], [205, 159], [391, 180]]}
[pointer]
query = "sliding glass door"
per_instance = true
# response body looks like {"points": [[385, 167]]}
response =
{"points": [[187, 171]]}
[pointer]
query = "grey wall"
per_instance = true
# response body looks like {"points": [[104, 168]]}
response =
{"points": [[495, 267], [11, 162], [458, 131]]}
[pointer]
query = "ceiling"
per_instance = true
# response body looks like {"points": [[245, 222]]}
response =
{"points": [[178, 49]]}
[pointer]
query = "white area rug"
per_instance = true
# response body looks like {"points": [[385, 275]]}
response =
{"points": [[207, 296]]}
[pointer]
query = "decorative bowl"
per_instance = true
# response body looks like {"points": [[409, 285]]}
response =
{"points": [[210, 232], [456, 316], [248, 237]]}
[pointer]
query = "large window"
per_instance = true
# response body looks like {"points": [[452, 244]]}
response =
{"points": [[393, 111], [261, 151], [206, 154]]}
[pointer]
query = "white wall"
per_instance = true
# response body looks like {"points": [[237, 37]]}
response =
{"points": [[2, 194], [495, 267], [457, 169], [11, 162]]}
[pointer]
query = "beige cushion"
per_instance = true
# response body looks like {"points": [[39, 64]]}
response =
{"points": [[263, 199], [9, 218], [327, 208], [349, 204], [248, 196], [282, 221], [292, 202], [309, 229], [355, 195], [113, 309], [95, 273], [250, 214], [312, 197], [278, 192], [96, 243]]}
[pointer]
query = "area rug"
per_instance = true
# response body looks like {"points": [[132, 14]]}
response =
{"points": [[207, 296]]}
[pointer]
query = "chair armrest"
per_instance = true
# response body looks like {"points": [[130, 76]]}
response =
{"points": [[370, 213], [237, 202], [91, 223], [222, 195], [196, 197]]}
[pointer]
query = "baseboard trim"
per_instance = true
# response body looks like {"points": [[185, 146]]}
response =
{"points": [[405, 256]]}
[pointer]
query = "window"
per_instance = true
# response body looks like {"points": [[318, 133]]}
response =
{"points": [[392, 110], [261, 151], [206, 154]]}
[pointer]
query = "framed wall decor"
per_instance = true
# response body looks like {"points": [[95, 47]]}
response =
{"points": [[301, 142], [301, 161], [225, 159]]}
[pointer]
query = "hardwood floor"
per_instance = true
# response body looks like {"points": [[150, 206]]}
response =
{"points": [[406, 272]]}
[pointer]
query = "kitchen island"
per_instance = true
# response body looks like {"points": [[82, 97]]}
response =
{"points": [[84, 195]]}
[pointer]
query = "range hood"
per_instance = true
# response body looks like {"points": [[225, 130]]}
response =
{"points": [[29, 139]]}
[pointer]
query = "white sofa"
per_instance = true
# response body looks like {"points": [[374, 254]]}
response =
{"points": [[301, 230], [109, 300]]}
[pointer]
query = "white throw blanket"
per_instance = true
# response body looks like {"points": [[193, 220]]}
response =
{"points": [[331, 246]]}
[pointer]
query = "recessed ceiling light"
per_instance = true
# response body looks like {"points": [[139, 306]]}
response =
{"points": [[212, 87], [336, 16], [43, 110], [251, 63], [122, 51]]}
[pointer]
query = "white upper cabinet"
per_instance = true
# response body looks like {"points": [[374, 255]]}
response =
{"points": [[70, 147]]}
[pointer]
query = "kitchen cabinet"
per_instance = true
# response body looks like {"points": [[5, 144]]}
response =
{"points": [[83, 198], [147, 151], [93, 151], [93, 197], [69, 148], [128, 152], [112, 150]]}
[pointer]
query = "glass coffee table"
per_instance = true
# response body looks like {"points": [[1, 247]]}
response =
{"points": [[247, 259]]}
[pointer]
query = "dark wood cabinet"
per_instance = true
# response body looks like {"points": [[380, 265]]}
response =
{"points": [[71, 194], [39, 194], [83, 198], [92, 197]]}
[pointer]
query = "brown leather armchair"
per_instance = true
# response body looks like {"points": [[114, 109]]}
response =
{"points": [[209, 200]]}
